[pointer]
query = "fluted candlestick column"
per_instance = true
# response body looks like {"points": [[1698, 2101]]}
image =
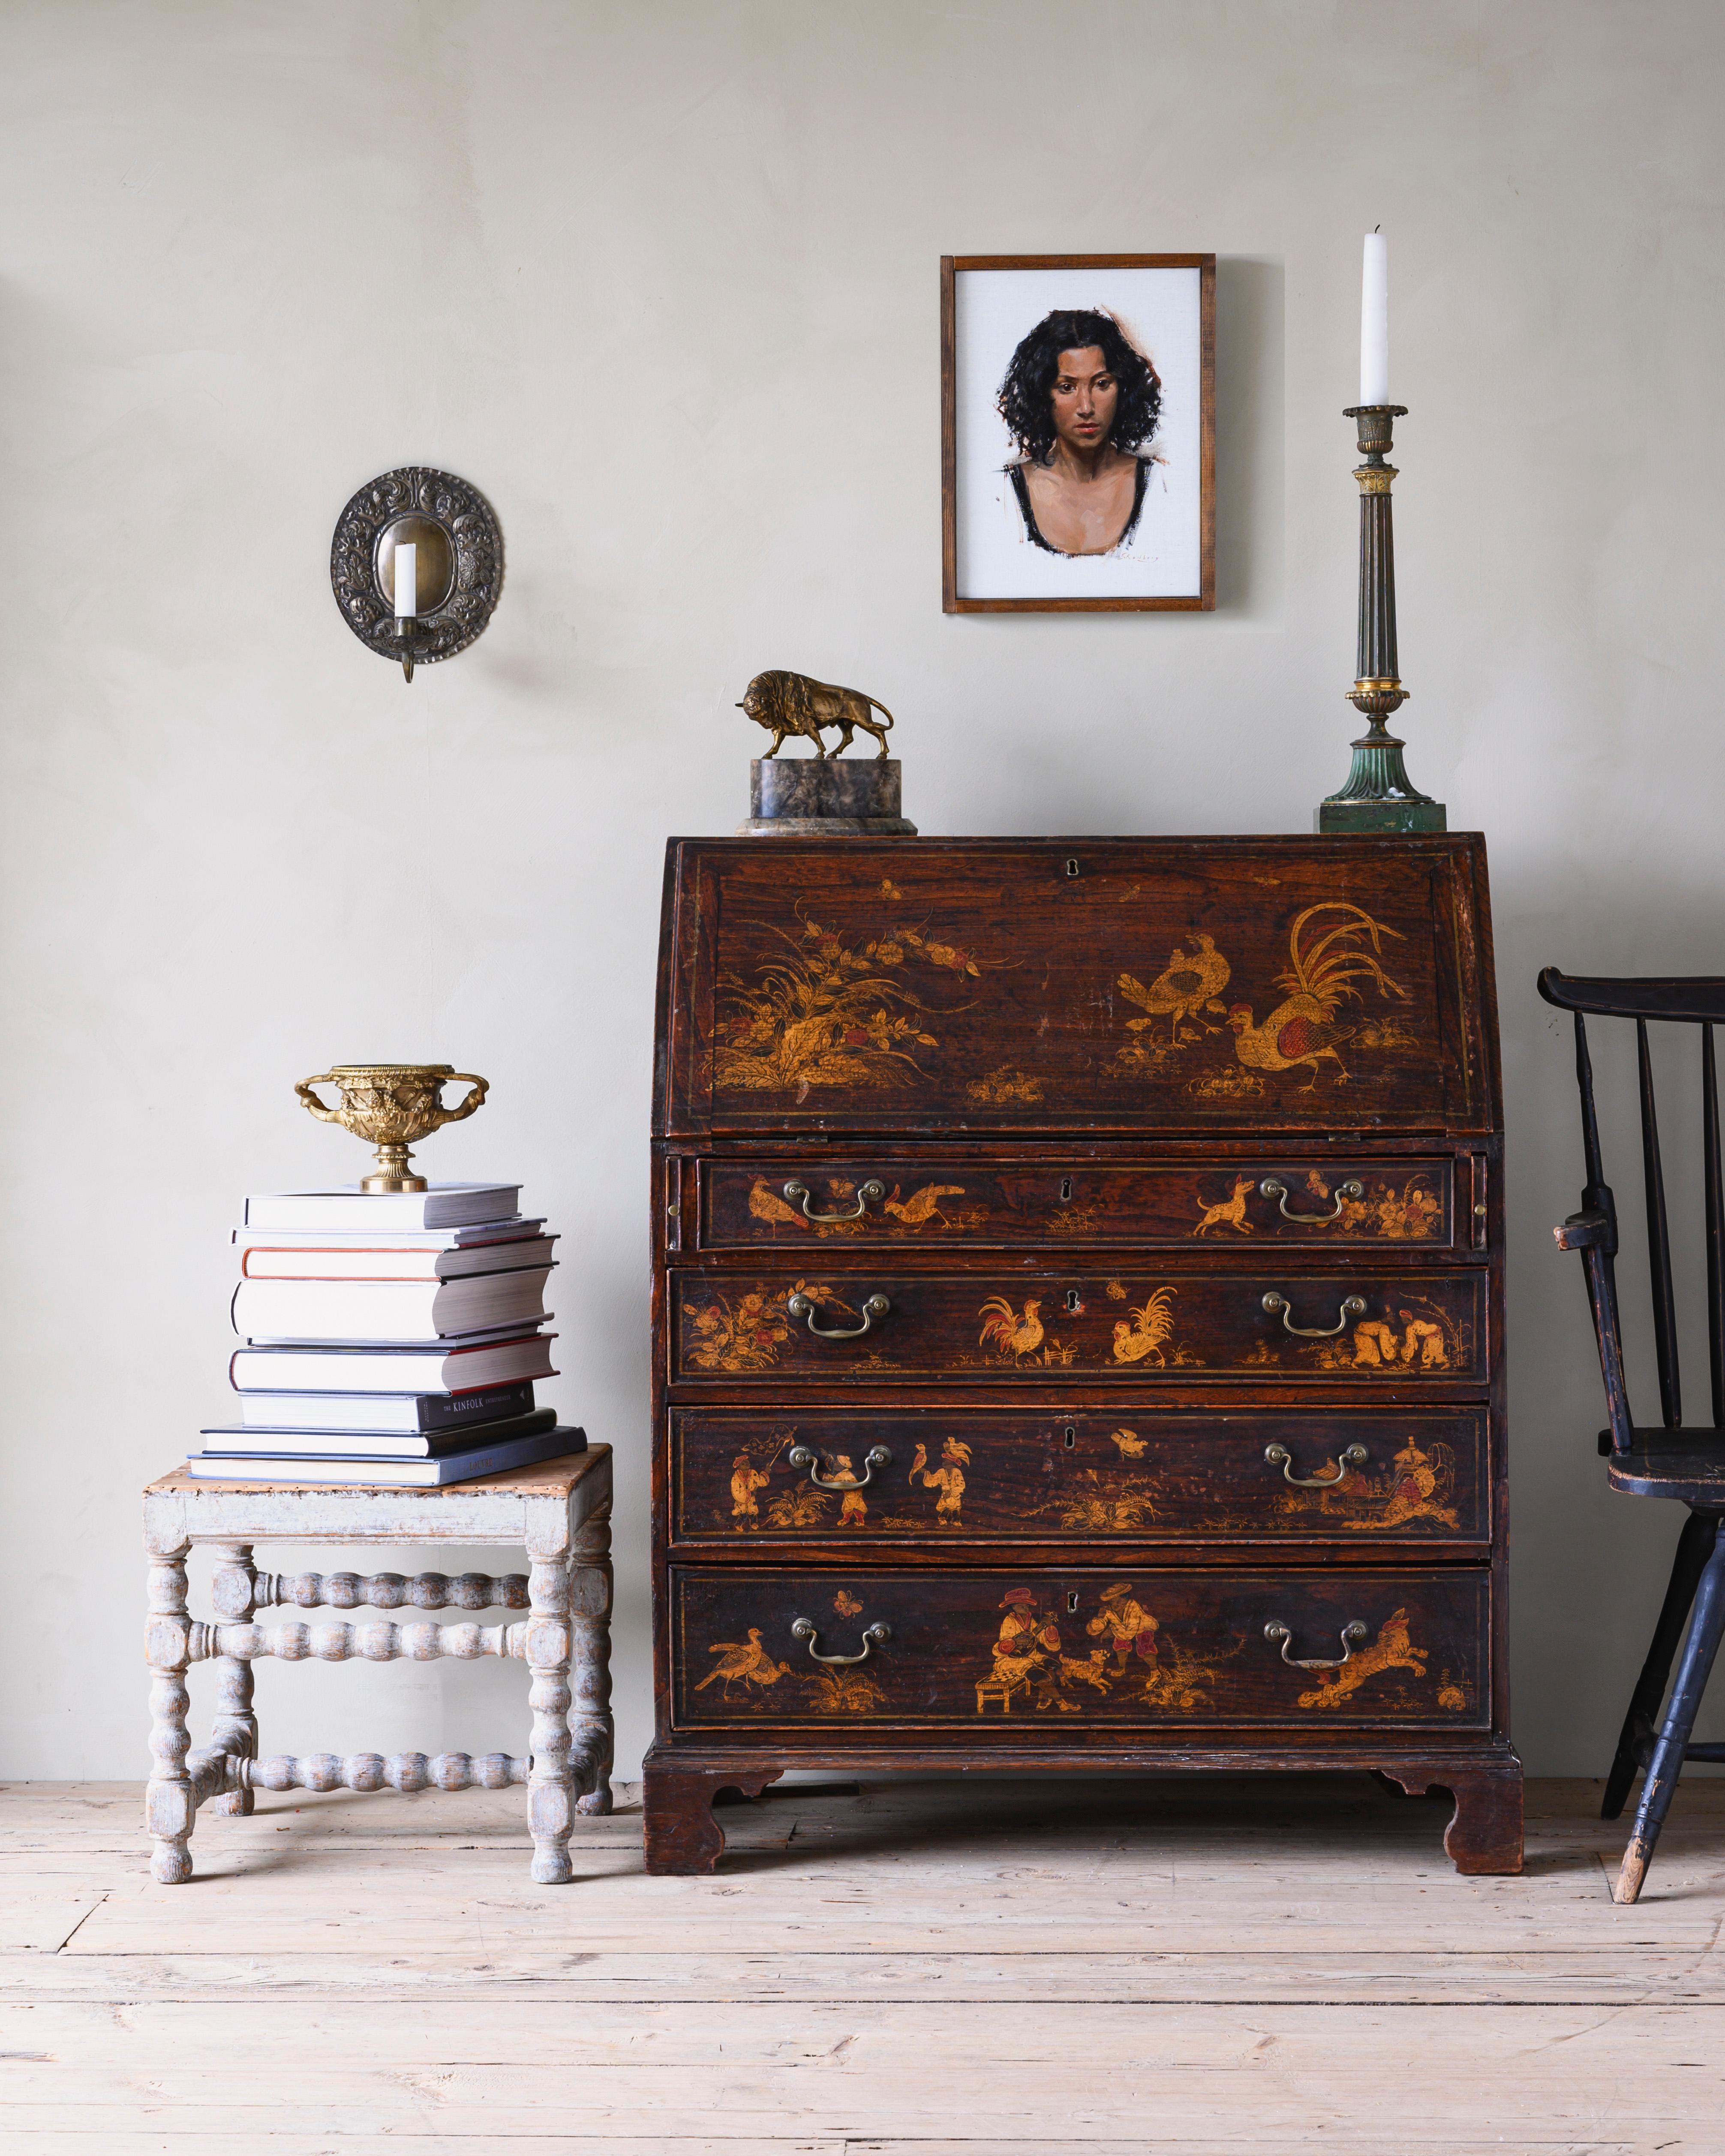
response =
{"points": [[1378, 795]]}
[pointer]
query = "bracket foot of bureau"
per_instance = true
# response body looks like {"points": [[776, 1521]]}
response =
{"points": [[682, 1835], [1484, 1835]]}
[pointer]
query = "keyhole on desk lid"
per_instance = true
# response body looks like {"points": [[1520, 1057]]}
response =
{"points": [[1072, 866], [1073, 1305], [1071, 1604], [1071, 1438], [1066, 1188]]}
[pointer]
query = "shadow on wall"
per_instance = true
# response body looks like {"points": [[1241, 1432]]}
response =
{"points": [[1250, 403]]}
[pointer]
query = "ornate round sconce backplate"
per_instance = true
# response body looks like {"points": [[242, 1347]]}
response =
{"points": [[459, 559]]}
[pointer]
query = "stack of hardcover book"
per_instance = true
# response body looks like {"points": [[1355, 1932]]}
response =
{"points": [[391, 1340]]}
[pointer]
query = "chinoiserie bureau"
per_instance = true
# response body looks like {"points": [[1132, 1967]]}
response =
{"points": [[1078, 1316]]}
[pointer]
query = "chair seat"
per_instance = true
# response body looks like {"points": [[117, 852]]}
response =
{"points": [[1688, 1465]]}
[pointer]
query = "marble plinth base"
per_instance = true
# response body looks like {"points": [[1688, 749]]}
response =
{"points": [[806, 797], [1375, 818]]}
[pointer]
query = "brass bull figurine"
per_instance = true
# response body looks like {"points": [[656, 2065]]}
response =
{"points": [[794, 704]]}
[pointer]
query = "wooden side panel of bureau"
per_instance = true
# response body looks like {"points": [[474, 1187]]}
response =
{"points": [[1078, 1316]]}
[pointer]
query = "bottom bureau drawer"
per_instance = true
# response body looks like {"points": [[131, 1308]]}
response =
{"points": [[1068, 1646]]}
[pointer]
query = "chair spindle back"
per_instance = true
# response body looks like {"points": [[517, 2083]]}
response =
{"points": [[1697, 1001]]}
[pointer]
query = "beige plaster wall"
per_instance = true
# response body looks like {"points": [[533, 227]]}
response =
{"points": [[661, 281]]}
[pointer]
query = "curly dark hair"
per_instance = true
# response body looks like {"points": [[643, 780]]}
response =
{"points": [[1024, 398]]}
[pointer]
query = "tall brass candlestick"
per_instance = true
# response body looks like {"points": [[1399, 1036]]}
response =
{"points": [[1379, 796]]}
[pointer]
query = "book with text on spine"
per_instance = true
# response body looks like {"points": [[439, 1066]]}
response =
{"points": [[416, 1412]]}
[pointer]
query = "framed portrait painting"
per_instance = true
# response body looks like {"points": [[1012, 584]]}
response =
{"points": [[1078, 433]]}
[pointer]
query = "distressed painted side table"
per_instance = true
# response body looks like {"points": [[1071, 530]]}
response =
{"points": [[560, 1510]]}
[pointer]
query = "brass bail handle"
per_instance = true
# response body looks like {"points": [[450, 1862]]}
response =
{"points": [[1352, 1635], [875, 1636], [1269, 1188], [877, 1305], [1278, 1455], [1354, 1306], [799, 1455], [869, 1193]]}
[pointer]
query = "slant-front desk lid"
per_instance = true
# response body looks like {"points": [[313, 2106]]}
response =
{"points": [[1106, 984]]}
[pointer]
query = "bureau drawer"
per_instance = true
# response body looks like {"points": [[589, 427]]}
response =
{"points": [[1069, 1648], [1082, 1478], [884, 1197], [1016, 1327]]}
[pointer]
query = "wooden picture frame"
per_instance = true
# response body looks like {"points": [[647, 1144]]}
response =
{"points": [[994, 556]]}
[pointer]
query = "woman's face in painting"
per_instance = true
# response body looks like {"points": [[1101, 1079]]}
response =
{"points": [[1086, 396]]}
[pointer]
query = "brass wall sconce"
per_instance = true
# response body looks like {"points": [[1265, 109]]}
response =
{"points": [[436, 538]]}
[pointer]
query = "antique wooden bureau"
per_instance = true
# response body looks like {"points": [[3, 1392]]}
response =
{"points": [[1078, 1316]]}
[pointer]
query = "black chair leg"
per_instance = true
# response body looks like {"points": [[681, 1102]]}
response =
{"points": [[1699, 1648], [1695, 1546]]}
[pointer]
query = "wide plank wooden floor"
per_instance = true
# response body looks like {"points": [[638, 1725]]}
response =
{"points": [[926, 1968]]}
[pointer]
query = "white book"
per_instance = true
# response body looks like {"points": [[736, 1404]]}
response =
{"points": [[345, 1205], [439, 1370], [392, 1239], [377, 1312], [362, 1260]]}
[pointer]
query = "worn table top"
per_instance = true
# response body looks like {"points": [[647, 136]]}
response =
{"points": [[546, 1478]]}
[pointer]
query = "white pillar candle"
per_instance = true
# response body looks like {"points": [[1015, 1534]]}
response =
{"points": [[407, 580], [1374, 321]]}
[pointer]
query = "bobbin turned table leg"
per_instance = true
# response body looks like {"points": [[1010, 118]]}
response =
{"points": [[551, 1809], [169, 1807], [590, 1624], [233, 1593]]}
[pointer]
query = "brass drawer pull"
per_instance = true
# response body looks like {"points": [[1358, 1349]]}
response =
{"points": [[1353, 1305], [877, 1305], [875, 1636], [799, 1455], [1271, 1189], [1352, 1635], [868, 1193], [1278, 1455]]}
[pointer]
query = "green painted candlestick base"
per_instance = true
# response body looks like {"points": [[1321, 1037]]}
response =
{"points": [[1378, 795]]}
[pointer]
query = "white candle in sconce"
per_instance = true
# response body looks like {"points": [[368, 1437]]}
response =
{"points": [[407, 580], [1374, 321]]}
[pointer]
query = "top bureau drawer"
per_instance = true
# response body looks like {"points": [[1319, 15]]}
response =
{"points": [[1149, 985], [796, 1200]]}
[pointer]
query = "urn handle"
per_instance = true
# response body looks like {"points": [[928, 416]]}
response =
{"points": [[1352, 1635], [877, 1305], [799, 1455], [1278, 1455], [1269, 1188], [869, 1193], [304, 1091], [875, 1636], [1353, 1305], [475, 1098]]}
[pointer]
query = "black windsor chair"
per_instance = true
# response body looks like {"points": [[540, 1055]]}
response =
{"points": [[1665, 1461]]}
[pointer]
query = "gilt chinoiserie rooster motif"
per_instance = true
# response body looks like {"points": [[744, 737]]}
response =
{"points": [[1324, 963], [1008, 1333]]}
